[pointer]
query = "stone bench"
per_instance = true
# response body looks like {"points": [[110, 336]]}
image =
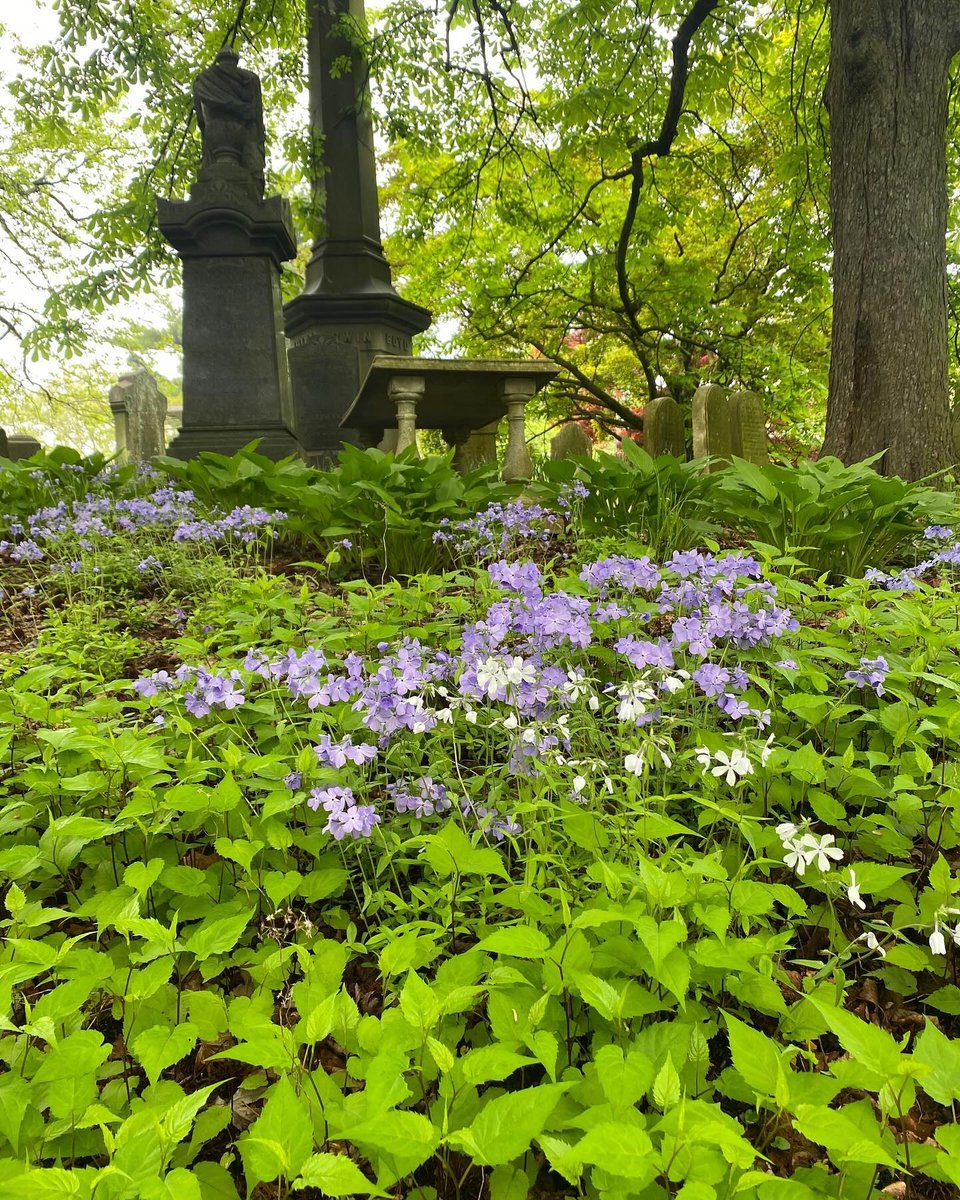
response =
{"points": [[464, 398]]}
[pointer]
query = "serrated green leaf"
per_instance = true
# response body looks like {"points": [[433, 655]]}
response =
{"points": [[506, 1125], [161, 1046], [335, 1175]]}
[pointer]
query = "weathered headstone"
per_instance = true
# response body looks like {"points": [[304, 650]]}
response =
{"points": [[663, 431], [3, 444], [571, 442], [712, 427], [749, 428], [232, 241], [139, 412], [477, 450], [21, 445]]}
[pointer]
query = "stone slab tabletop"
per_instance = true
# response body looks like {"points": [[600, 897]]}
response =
{"points": [[465, 392]]}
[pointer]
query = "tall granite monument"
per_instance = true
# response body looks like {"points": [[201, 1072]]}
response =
{"points": [[349, 311], [232, 241]]}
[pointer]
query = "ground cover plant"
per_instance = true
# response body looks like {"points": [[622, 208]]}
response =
{"points": [[573, 870]]}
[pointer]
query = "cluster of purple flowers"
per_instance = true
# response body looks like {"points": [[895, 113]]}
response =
{"points": [[519, 671], [345, 817], [906, 580], [422, 798], [871, 673], [95, 519], [207, 691], [506, 528]]}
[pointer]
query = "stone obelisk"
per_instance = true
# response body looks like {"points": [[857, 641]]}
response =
{"points": [[349, 310]]}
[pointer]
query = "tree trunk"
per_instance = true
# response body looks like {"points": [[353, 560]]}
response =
{"points": [[887, 96]]}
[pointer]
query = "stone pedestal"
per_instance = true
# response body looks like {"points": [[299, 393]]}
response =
{"points": [[333, 340], [235, 382], [405, 392]]}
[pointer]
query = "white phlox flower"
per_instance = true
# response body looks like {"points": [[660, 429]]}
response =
{"points": [[633, 763], [938, 943], [820, 850], [732, 767], [519, 671], [703, 756], [853, 890], [766, 750], [873, 942]]}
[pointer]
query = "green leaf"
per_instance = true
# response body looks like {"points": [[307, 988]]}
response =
{"points": [[488, 1064], [941, 1055], [335, 1175], [418, 1003], [66, 1079], [219, 935], [161, 1046], [666, 1086], [845, 1140], [15, 900], [621, 1148], [870, 1045], [280, 1140], [519, 941], [755, 1056], [506, 1125], [402, 1140]]}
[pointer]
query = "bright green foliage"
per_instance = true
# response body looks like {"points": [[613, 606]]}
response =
{"points": [[632, 994]]}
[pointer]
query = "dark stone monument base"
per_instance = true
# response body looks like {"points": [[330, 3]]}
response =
{"points": [[235, 381], [275, 443], [333, 340]]}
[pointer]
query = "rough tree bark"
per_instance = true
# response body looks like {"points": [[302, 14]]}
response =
{"points": [[887, 98]]}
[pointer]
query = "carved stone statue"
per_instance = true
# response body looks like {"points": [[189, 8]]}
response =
{"points": [[229, 111]]}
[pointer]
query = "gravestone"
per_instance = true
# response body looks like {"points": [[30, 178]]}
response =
{"points": [[139, 412], [749, 428], [712, 426], [21, 445], [478, 449], [232, 241], [571, 442], [3, 444], [663, 431], [349, 311]]}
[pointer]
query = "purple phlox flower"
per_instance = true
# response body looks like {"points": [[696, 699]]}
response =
{"points": [[150, 685], [871, 673], [294, 781], [938, 532], [422, 798], [222, 691], [345, 816], [628, 574], [338, 754], [644, 653], [733, 707], [711, 679]]}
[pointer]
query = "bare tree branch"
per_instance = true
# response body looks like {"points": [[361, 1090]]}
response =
{"points": [[662, 143]]}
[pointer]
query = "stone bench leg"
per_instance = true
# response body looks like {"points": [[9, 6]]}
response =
{"points": [[517, 464], [406, 391]]}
